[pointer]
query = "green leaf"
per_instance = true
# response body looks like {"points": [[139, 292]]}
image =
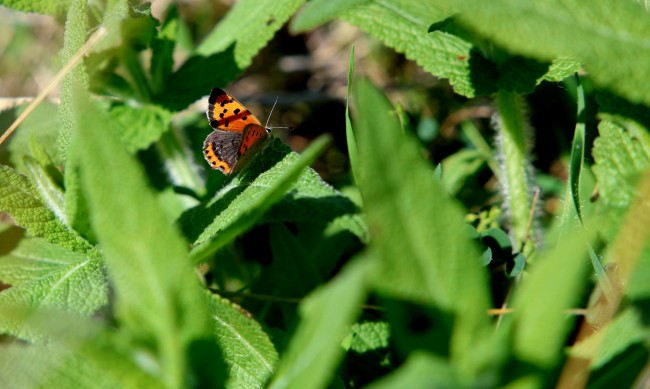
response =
{"points": [[540, 324], [48, 7], [349, 133], [421, 370], [40, 126], [76, 356], [240, 205], [20, 199], [140, 126], [158, 297], [48, 277], [247, 349], [404, 25], [369, 336], [418, 233], [73, 38], [612, 44], [459, 167], [620, 158], [228, 49], [315, 348]]}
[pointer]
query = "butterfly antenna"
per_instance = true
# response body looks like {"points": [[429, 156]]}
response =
{"points": [[271, 113]]}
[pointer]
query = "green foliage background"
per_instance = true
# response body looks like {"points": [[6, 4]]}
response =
{"points": [[124, 262]]}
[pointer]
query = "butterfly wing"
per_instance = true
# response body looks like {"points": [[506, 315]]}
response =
{"points": [[228, 114], [252, 141], [221, 150]]}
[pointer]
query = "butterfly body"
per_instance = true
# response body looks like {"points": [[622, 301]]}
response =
{"points": [[237, 134]]}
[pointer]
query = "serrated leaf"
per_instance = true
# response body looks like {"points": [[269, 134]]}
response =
{"points": [[140, 126], [613, 36], [315, 348], [240, 205], [228, 49], [247, 349], [620, 159], [48, 7], [157, 294], [418, 233], [404, 25], [20, 199]]}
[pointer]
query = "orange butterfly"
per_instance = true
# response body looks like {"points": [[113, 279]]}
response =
{"points": [[237, 135]]}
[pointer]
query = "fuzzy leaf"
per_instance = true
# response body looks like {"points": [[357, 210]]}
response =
{"points": [[73, 38], [158, 297], [48, 7], [418, 234], [613, 36], [247, 349]]}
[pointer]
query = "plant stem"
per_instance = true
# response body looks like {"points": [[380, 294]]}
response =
{"points": [[514, 163]]}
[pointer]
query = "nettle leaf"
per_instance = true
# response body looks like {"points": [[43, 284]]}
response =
{"points": [[140, 126], [49, 277], [404, 26], [21, 199], [315, 348], [620, 159], [247, 349], [613, 36], [240, 205], [158, 297], [418, 234], [228, 49], [522, 75], [48, 7]]}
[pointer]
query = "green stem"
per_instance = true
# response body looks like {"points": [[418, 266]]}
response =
{"points": [[515, 164]]}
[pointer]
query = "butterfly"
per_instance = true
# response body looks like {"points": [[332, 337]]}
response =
{"points": [[237, 134]]}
